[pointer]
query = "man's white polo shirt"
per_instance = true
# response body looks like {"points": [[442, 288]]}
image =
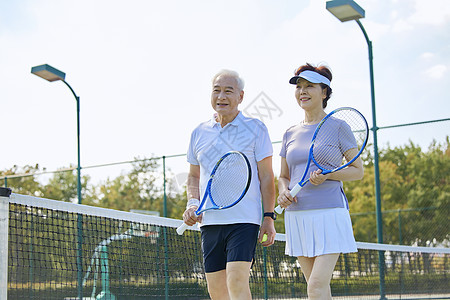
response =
{"points": [[209, 141]]}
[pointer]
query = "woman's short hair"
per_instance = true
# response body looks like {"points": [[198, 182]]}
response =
{"points": [[322, 70]]}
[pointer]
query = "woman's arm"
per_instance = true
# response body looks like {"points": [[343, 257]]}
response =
{"points": [[284, 198], [354, 171]]}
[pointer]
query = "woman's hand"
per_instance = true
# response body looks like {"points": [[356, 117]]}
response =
{"points": [[285, 199], [317, 178]]}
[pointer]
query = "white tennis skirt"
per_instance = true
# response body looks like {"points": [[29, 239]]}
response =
{"points": [[317, 232]]}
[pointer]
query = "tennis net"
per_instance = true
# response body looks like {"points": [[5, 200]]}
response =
{"points": [[134, 256]]}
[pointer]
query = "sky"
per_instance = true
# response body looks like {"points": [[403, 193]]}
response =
{"points": [[143, 70]]}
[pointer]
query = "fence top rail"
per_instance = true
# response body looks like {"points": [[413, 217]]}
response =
{"points": [[414, 123], [89, 167]]}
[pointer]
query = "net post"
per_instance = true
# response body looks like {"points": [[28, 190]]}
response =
{"points": [[165, 188], [105, 293], [400, 238], [166, 265], [166, 254], [266, 289], [80, 256], [4, 223]]}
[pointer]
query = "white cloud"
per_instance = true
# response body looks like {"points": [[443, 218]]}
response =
{"points": [[427, 55], [394, 14], [431, 12], [407, 15], [402, 26], [436, 72]]}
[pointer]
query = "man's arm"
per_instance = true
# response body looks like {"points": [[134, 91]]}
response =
{"points": [[266, 178], [193, 193]]}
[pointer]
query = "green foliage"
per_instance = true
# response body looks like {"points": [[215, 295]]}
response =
{"points": [[63, 186], [137, 189], [415, 195], [415, 192], [26, 184]]}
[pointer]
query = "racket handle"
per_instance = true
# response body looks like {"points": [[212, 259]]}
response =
{"points": [[295, 190], [279, 209], [182, 228], [293, 193]]}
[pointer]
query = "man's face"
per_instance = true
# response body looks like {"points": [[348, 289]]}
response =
{"points": [[226, 96]]}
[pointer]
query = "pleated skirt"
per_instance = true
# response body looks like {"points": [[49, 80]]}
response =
{"points": [[317, 232]]}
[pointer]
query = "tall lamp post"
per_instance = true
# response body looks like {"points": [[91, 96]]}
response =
{"points": [[51, 74], [347, 10]]}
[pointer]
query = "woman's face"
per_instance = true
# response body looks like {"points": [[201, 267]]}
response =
{"points": [[309, 95]]}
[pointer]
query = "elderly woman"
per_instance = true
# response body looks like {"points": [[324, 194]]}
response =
{"points": [[317, 221]]}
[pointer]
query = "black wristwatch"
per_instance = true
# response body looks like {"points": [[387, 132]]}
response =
{"points": [[271, 214]]}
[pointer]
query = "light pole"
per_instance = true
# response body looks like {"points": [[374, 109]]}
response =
{"points": [[51, 74], [347, 10]]}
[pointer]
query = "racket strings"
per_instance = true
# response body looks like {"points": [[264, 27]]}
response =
{"points": [[230, 180], [344, 130]]}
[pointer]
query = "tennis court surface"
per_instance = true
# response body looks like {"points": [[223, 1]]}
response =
{"points": [[134, 256]]}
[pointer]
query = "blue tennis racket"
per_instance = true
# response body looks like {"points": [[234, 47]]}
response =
{"points": [[227, 185], [337, 142]]}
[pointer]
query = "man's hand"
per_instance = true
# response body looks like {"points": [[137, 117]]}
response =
{"points": [[189, 216], [268, 228]]}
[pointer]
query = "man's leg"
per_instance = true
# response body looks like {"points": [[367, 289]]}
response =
{"points": [[229, 280], [238, 273], [217, 285]]}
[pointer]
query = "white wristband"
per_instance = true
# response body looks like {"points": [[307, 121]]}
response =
{"points": [[193, 202]]}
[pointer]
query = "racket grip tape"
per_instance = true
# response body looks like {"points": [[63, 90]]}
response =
{"points": [[293, 193], [295, 190], [182, 228], [279, 209]]}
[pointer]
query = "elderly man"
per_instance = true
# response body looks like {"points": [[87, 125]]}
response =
{"points": [[229, 237]]}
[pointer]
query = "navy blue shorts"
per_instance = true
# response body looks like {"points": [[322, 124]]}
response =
{"points": [[225, 243]]}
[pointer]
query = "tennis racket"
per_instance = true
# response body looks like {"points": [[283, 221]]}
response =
{"points": [[337, 142], [227, 185]]}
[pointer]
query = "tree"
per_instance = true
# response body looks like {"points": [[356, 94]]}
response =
{"points": [[63, 186], [414, 193], [431, 190], [25, 184], [137, 189]]}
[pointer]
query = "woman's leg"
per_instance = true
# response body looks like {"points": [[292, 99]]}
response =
{"points": [[318, 272], [306, 263]]}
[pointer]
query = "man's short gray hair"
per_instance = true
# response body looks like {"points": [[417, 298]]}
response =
{"points": [[234, 74]]}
